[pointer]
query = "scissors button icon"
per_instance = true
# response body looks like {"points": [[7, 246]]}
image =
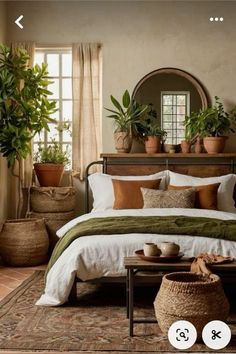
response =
{"points": [[215, 334]]}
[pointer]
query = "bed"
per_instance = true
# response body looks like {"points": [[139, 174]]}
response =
{"points": [[100, 256]]}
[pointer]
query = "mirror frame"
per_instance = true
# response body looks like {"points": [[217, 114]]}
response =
{"points": [[205, 99]]}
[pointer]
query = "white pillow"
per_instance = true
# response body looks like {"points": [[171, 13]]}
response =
{"points": [[225, 201], [102, 188]]}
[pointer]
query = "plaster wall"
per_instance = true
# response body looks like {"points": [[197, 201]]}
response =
{"points": [[138, 37]]}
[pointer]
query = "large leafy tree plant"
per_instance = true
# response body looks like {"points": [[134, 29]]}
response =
{"points": [[24, 106]]}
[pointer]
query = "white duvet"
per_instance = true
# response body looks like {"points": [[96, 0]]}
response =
{"points": [[91, 257]]}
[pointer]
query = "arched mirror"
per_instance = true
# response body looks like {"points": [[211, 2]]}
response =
{"points": [[173, 93]]}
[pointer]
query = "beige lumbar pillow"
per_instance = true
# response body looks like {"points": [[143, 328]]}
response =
{"points": [[168, 199]]}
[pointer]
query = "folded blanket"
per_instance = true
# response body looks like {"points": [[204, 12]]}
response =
{"points": [[203, 261]]}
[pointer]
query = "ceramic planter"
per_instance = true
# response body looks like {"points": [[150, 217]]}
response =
{"points": [[185, 146], [153, 144], [49, 174], [123, 141], [214, 144]]}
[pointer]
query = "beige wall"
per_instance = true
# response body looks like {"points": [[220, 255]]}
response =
{"points": [[139, 37], [2, 21]]}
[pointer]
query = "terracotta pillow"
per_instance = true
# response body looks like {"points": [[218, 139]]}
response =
{"points": [[128, 193], [206, 195]]}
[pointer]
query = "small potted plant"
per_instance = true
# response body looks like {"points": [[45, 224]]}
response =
{"points": [[151, 132], [124, 116], [49, 165], [192, 135], [214, 125]]}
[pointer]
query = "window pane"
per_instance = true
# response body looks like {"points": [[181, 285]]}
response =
{"points": [[181, 109], [180, 118], [181, 100], [39, 58], [67, 110], [53, 64], [167, 118], [167, 125], [66, 65], [167, 99], [167, 109], [54, 88], [67, 136], [53, 134], [67, 88]]}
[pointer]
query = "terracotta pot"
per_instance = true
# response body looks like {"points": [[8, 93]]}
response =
{"points": [[198, 146], [185, 146], [214, 144], [49, 174], [123, 141], [153, 144]]}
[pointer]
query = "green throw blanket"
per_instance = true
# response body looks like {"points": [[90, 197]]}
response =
{"points": [[171, 225]]}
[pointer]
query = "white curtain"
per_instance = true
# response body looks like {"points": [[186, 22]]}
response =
{"points": [[86, 84], [8, 183]]}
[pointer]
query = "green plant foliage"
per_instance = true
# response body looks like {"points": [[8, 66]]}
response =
{"points": [[24, 107], [212, 121], [148, 125], [52, 154], [126, 113]]}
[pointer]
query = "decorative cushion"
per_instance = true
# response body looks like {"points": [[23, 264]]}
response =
{"points": [[225, 201], [168, 199], [205, 197], [128, 194], [102, 188]]}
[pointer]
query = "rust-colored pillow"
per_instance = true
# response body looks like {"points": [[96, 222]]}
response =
{"points": [[205, 197], [128, 193]]}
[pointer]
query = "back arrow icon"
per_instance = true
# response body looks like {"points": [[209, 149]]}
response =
{"points": [[17, 21]]}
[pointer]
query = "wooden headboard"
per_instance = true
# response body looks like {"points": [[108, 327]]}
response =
{"points": [[197, 165]]}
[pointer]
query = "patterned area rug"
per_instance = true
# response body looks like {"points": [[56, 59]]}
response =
{"points": [[97, 322]]}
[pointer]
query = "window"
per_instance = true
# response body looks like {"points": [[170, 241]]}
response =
{"points": [[174, 107], [60, 71]]}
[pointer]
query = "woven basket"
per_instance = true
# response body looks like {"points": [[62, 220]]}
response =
{"points": [[24, 242], [53, 221], [191, 297], [52, 199]]}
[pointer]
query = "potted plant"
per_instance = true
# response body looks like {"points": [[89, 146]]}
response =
{"points": [[24, 111], [49, 165], [124, 117], [151, 132], [214, 125], [24, 107], [191, 124]]}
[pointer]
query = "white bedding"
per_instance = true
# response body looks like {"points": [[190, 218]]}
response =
{"points": [[91, 257]]}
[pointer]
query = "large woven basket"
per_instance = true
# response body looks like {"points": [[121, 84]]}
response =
{"points": [[24, 242], [53, 221], [52, 199], [191, 297]]}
